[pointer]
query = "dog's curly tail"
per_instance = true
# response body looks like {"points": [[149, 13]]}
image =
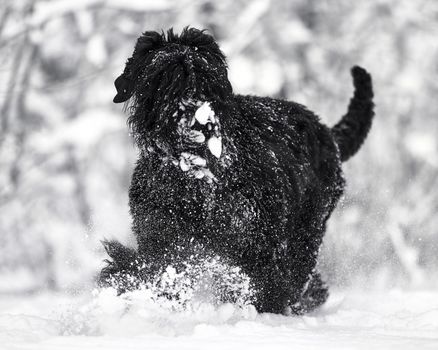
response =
{"points": [[351, 131]]}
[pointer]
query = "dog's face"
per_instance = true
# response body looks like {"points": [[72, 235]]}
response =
{"points": [[173, 84]]}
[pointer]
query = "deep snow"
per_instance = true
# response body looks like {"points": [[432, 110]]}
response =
{"points": [[350, 320]]}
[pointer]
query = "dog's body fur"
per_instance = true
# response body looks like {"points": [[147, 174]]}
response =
{"points": [[250, 179]]}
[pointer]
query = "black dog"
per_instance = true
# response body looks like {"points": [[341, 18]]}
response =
{"points": [[250, 179]]}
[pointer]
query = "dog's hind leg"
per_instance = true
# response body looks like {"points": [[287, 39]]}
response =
{"points": [[314, 295], [272, 281], [272, 291]]}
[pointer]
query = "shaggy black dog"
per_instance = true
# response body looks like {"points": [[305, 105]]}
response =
{"points": [[250, 179]]}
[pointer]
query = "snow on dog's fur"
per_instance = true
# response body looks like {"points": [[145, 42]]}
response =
{"points": [[252, 180]]}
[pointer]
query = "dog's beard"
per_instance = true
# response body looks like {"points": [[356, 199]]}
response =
{"points": [[192, 141]]}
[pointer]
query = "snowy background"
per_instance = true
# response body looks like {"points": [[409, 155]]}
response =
{"points": [[66, 159]]}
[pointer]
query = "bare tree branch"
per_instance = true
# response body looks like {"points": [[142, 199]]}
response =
{"points": [[4, 17]]}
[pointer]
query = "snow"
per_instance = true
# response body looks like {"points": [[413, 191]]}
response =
{"points": [[422, 146], [183, 164], [199, 174], [96, 51], [196, 136], [84, 131], [188, 160], [205, 114], [215, 146], [20, 279], [249, 76], [350, 320], [199, 161], [241, 74]]}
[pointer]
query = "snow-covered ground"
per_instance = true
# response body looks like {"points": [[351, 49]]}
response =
{"points": [[350, 320]]}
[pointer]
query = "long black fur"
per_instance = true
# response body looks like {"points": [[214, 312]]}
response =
{"points": [[263, 203]]}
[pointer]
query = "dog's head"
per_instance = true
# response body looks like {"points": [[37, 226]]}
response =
{"points": [[175, 85], [190, 63]]}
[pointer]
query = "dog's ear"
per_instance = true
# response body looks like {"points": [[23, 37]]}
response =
{"points": [[147, 42], [124, 87]]}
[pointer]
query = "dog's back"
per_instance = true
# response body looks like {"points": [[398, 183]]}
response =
{"points": [[281, 115]]}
